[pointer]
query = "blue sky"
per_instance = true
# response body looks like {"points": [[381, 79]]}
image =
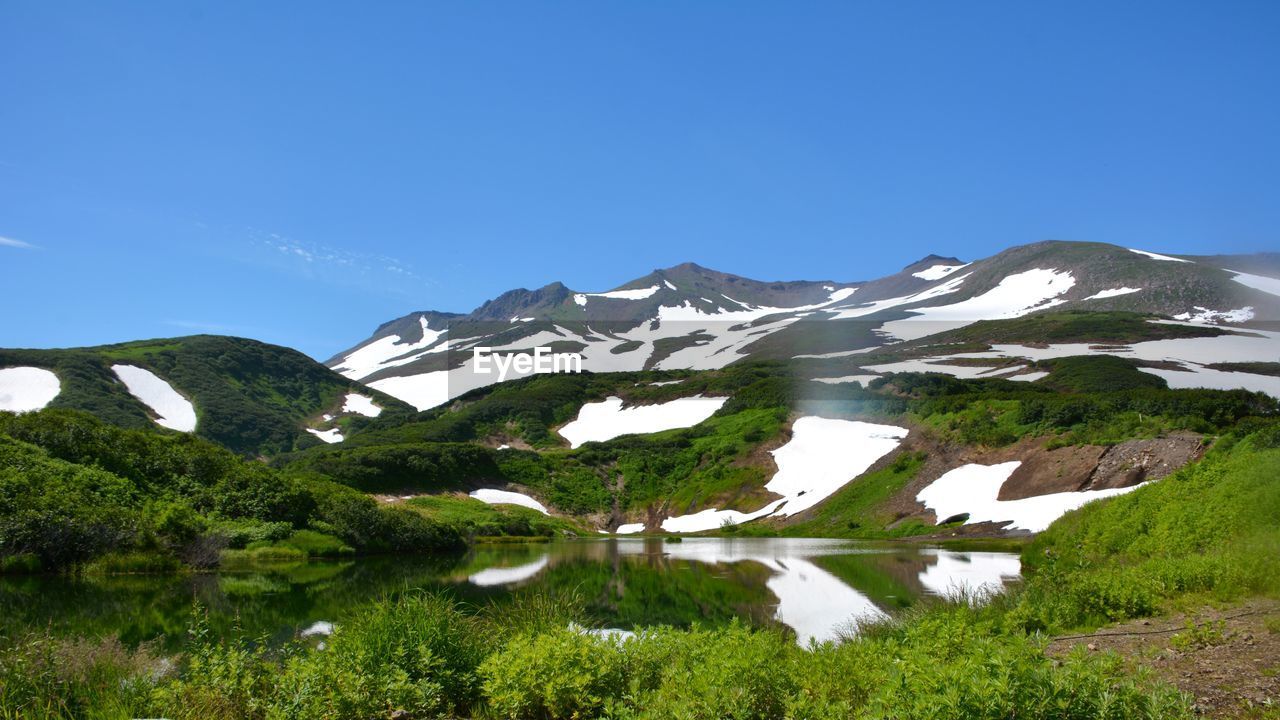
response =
{"points": [[301, 172]]}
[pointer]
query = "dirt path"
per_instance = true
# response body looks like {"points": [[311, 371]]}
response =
{"points": [[1229, 662]]}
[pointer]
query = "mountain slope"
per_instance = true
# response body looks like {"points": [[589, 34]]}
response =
{"points": [[690, 317], [248, 396]]}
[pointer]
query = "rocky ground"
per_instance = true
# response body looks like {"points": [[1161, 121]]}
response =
{"points": [[1226, 659]]}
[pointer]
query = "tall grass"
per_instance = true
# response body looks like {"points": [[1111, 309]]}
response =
{"points": [[424, 656]]}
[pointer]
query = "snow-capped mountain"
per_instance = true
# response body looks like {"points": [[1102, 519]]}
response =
{"points": [[690, 317]]}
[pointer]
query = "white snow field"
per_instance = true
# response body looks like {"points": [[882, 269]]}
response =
{"points": [[607, 419], [629, 529], [1015, 296], [937, 272], [331, 436], [712, 518], [172, 410], [860, 379], [1116, 292], [422, 391], [636, 294], [388, 352], [1155, 256], [824, 454], [23, 389], [973, 489], [821, 457], [1192, 353], [490, 577], [1028, 377], [969, 574], [1258, 282], [875, 306], [505, 497], [1203, 315], [361, 405]]}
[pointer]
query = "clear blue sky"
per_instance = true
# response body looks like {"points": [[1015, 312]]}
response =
{"points": [[301, 172]]}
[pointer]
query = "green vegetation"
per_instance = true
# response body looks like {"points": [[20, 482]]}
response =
{"points": [[475, 519], [250, 397], [1257, 368], [1085, 399], [423, 656], [1210, 530], [1072, 326], [76, 491], [855, 511]]}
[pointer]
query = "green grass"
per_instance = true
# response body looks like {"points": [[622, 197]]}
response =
{"points": [[1208, 531], [250, 397], [475, 519], [854, 511], [425, 656]]}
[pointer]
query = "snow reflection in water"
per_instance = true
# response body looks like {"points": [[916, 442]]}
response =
{"points": [[813, 601]]}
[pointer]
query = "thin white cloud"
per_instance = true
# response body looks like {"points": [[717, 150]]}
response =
{"points": [[323, 261], [14, 243]]}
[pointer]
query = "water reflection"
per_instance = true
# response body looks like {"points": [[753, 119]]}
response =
{"points": [[815, 603], [816, 588]]}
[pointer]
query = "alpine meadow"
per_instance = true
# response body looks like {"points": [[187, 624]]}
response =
{"points": [[335, 386]]}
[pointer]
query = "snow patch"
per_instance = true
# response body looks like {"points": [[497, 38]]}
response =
{"points": [[1258, 282], [361, 405], [636, 294], [172, 410], [974, 489], [1015, 296], [825, 454], [1203, 315], [1117, 292], [23, 389], [388, 352], [937, 272], [1155, 256], [505, 497], [331, 436], [422, 391], [876, 306], [630, 528], [605, 420], [862, 380], [1028, 377], [822, 456]]}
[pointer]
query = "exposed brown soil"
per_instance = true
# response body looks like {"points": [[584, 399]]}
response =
{"points": [[1229, 665], [1046, 471], [1135, 461], [1043, 470]]}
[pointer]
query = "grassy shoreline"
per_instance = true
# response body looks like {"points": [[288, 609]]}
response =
{"points": [[1205, 535]]}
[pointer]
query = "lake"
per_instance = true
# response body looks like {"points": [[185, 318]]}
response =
{"points": [[815, 588]]}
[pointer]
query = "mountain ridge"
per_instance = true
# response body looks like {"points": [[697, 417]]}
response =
{"points": [[663, 318]]}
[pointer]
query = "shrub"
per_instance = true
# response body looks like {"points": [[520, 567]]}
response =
{"points": [[562, 673], [418, 654]]}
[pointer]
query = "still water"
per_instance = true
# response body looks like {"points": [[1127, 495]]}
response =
{"points": [[815, 588]]}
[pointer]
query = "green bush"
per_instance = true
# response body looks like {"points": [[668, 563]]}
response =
{"points": [[559, 674], [418, 654]]}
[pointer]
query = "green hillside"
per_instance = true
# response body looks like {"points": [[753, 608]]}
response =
{"points": [[249, 396]]}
